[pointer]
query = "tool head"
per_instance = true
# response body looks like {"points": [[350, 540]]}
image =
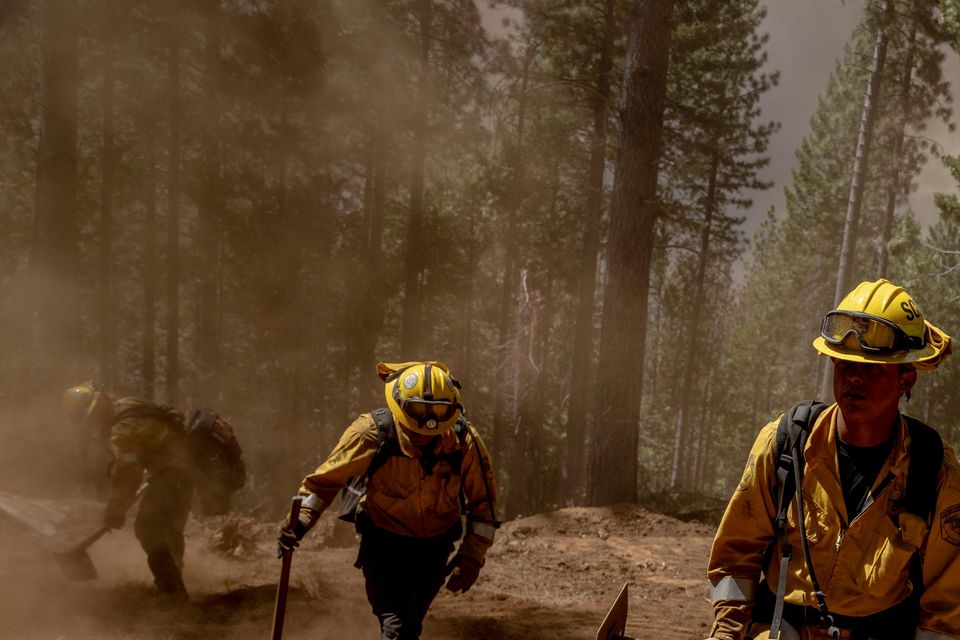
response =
{"points": [[76, 565], [615, 624]]}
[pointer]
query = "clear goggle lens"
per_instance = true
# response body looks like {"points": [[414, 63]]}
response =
{"points": [[873, 334]]}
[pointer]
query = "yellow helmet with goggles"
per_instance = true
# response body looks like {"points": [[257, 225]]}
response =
{"points": [[422, 396], [80, 401], [878, 322]]}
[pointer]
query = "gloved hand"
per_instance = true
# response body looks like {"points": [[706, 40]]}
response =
{"points": [[114, 518], [288, 538], [463, 571]]}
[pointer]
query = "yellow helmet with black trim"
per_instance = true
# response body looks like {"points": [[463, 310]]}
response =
{"points": [[80, 401], [422, 396], [879, 322]]}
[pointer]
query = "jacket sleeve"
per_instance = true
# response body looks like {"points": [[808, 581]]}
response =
{"points": [[480, 494], [747, 528], [940, 602], [350, 457], [127, 440]]}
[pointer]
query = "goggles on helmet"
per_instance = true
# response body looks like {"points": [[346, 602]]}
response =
{"points": [[424, 410], [429, 414], [874, 334]]}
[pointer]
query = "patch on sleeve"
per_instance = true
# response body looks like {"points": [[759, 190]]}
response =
{"points": [[747, 478], [950, 525]]}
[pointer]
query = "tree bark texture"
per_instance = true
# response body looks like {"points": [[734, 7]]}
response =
{"points": [[587, 287], [633, 213], [54, 259], [690, 371], [861, 158], [209, 217], [411, 330], [105, 292], [173, 216]]}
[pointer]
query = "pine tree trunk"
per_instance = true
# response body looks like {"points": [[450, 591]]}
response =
{"points": [[173, 217], [209, 214], [105, 293], [508, 290], [151, 266], [894, 189], [861, 158], [413, 256], [54, 258], [586, 290], [633, 213], [370, 293], [691, 362]]}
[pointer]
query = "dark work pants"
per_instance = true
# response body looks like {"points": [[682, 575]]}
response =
{"points": [[403, 575], [159, 527]]}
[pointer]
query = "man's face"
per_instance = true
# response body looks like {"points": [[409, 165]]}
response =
{"points": [[867, 391]]}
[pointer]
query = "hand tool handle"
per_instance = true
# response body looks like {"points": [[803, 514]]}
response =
{"points": [[281, 604]]}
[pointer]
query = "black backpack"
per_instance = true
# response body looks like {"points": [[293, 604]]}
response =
{"points": [[216, 455], [350, 508], [920, 496], [217, 459]]}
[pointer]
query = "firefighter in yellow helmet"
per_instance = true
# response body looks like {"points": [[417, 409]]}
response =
{"points": [[875, 550], [146, 439], [421, 466]]}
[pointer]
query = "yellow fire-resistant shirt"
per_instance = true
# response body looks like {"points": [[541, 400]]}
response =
{"points": [[402, 497], [142, 443], [863, 565]]}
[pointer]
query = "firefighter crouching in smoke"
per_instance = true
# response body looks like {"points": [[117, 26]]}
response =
{"points": [[420, 460], [143, 438], [875, 551]]}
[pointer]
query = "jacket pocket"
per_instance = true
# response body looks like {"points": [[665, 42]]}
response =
{"points": [[886, 561]]}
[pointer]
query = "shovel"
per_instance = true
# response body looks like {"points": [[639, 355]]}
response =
{"points": [[76, 564], [615, 624]]}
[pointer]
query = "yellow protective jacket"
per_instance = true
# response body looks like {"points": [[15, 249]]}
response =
{"points": [[402, 497], [142, 443], [862, 566]]}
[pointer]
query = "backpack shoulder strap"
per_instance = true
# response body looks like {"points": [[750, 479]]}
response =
{"points": [[149, 410], [794, 427], [792, 432], [387, 434], [923, 474]]}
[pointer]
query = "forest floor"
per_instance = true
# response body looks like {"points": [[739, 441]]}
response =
{"points": [[549, 576]]}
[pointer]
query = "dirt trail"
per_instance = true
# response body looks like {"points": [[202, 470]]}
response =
{"points": [[549, 576]]}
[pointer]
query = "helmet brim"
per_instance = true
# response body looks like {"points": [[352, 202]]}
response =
{"points": [[856, 355]]}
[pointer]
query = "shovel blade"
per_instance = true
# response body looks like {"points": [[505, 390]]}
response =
{"points": [[615, 624], [76, 565]]}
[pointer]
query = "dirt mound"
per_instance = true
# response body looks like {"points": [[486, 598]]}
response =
{"points": [[551, 575]]}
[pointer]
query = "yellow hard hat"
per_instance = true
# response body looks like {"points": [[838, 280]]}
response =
{"points": [[80, 401], [422, 396], [878, 322]]}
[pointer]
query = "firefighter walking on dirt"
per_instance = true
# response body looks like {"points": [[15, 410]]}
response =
{"points": [[416, 467], [147, 438], [867, 544]]}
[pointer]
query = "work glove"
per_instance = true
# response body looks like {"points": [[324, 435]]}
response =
{"points": [[463, 571], [289, 538], [114, 518]]}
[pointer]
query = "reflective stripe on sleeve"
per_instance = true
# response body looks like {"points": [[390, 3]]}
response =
{"points": [[482, 529], [923, 634], [313, 501], [732, 589]]}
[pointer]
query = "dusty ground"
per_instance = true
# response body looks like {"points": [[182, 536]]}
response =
{"points": [[549, 576]]}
